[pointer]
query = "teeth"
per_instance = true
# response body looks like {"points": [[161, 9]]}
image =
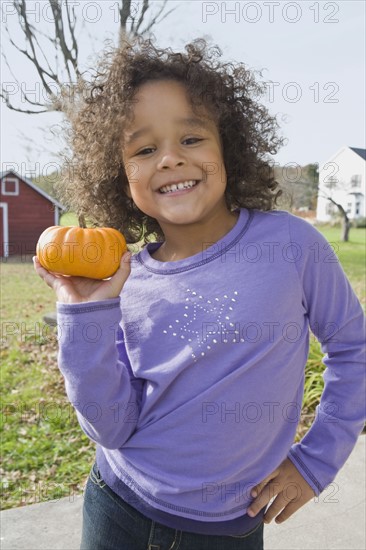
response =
{"points": [[176, 186]]}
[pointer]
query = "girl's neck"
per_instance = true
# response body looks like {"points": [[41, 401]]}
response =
{"points": [[184, 241]]}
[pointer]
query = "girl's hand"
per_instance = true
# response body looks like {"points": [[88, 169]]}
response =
{"points": [[291, 489], [72, 290]]}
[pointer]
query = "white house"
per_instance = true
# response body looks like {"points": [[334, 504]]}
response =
{"points": [[343, 179]]}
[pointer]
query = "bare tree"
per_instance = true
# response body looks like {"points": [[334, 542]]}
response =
{"points": [[301, 189], [346, 223], [329, 192], [58, 66]]}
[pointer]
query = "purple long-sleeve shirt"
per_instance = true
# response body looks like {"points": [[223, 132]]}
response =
{"points": [[192, 381]]}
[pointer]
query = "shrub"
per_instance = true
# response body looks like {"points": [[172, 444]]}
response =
{"points": [[359, 222]]}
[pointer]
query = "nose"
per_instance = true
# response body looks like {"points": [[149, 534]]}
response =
{"points": [[171, 158]]}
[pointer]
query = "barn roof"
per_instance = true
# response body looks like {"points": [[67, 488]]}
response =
{"points": [[34, 186]]}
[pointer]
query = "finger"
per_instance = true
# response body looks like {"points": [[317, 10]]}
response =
{"points": [[259, 488], [124, 267], [289, 500], [278, 504], [268, 492], [296, 496], [115, 284], [126, 258], [48, 278], [38, 267], [288, 511], [36, 263]]}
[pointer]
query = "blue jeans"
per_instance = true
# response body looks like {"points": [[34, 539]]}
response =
{"points": [[109, 523]]}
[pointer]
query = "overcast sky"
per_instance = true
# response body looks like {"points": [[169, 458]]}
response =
{"points": [[312, 55]]}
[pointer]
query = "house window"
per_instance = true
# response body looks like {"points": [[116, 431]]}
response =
{"points": [[357, 208], [356, 180], [331, 182], [10, 186], [349, 207]]}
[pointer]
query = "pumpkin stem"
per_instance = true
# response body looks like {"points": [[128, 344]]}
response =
{"points": [[82, 221]]}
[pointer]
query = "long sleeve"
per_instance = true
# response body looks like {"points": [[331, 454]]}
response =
{"points": [[337, 320], [98, 377], [211, 360]]}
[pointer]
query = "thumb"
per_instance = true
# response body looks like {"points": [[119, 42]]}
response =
{"points": [[120, 277], [124, 267]]}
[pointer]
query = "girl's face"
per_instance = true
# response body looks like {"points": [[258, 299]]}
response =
{"points": [[173, 158]]}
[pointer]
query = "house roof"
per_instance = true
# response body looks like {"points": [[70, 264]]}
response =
{"points": [[34, 186], [360, 152]]}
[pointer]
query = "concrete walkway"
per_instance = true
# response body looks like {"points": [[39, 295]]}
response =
{"points": [[336, 521]]}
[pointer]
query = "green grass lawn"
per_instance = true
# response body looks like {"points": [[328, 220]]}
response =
{"points": [[44, 452], [351, 256]]}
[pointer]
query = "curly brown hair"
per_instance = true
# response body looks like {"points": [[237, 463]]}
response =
{"points": [[228, 91]]}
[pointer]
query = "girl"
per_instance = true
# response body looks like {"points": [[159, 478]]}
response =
{"points": [[191, 381]]}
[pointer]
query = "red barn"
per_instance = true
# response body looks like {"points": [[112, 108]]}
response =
{"points": [[25, 211]]}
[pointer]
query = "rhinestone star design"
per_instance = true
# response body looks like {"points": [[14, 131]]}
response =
{"points": [[205, 322]]}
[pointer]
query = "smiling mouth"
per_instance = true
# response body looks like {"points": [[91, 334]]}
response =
{"points": [[174, 187]]}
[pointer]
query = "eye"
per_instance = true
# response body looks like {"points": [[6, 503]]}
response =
{"points": [[145, 151], [191, 140]]}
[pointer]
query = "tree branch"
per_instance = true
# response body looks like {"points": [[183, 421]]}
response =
{"points": [[65, 47], [155, 20], [145, 7], [340, 208], [136, 26], [28, 56], [5, 95], [29, 35], [26, 111], [124, 13], [68, 55], [73, 38]]}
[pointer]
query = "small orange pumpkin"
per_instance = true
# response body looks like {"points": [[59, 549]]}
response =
{"points": [[86, 252]]}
